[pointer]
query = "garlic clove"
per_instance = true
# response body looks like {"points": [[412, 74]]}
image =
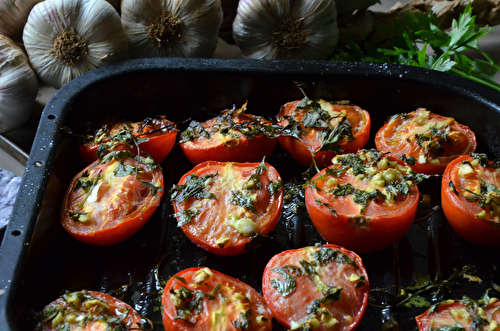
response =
{"points": [[171, 28], [13, 16], [284, 29], [18, 86], [67, 38]]}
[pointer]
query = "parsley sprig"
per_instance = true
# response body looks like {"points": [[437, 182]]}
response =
{"points": [[418, 40]]}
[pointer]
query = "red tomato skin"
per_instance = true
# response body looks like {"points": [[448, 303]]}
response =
{"points": [[282, 308], [237, 247], [159, 144], [121, 231], [301, 151], [244, 149], [382, 144], [461, 214], [203, 323], [387, 225], [132, 321], [430, 321]]}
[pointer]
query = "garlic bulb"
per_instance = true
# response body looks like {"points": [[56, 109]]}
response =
{"points": [[171, 28], [18, 86], [286, 29], [66, 38], [13, 15]]}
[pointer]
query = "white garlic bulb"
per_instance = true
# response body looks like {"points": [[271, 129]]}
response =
{"points": [[66, 38], [18, 86], [286, 29], [171, 28], [13, 15]]}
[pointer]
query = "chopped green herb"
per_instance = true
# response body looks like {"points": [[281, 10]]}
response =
{"points": [[195, 187]]}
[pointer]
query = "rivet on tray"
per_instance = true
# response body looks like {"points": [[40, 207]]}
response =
{"points": [[38, 163]]}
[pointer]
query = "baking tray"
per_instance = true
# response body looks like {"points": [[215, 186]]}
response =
{"points": [[39, 261]]}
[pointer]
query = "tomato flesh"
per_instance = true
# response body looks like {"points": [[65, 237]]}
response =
{"points": [[456, 314], [297, 307], [431, 140], [314, 135], [232, 209], [155, 136], [225, 303], [473, 183], [109, 201], [362, 211], [89, 310], [233, 136]]}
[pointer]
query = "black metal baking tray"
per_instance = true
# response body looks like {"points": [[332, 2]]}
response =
{"points": [[39, 261]]}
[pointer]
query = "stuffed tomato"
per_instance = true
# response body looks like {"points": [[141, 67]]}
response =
{"points": [[223, 206], [88, 310], [204, 299], [470, 198], [233, 136], [363, 201], [322, 129], [425, 140], [322, 287], [155, 136], [110, 200]]}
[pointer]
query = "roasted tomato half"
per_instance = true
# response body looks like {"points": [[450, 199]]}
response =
{"points": [[110, 200], [426, 141], [317, 288], [363, 201], [223, 206], [465, 314], [88, 310], [233, 136], [204, 299], [323, 129], [155, 136], [470, 197]]}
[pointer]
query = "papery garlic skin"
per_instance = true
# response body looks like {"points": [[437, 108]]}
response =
{"points": [[192, 28], [67, 38], [18, 86], [13, 16], [311, 32]]}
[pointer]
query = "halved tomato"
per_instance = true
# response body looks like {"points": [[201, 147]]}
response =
{"points": [[364, 201], [233, 136], [426, 141], [204, 299], [470, 197], [89, 310], [110, 200], [465, 314], [155, 136], [223, 206], [322, 287], [323, 129]]}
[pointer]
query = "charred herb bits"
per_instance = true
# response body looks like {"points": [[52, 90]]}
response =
{"points": [[363, 201]]}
